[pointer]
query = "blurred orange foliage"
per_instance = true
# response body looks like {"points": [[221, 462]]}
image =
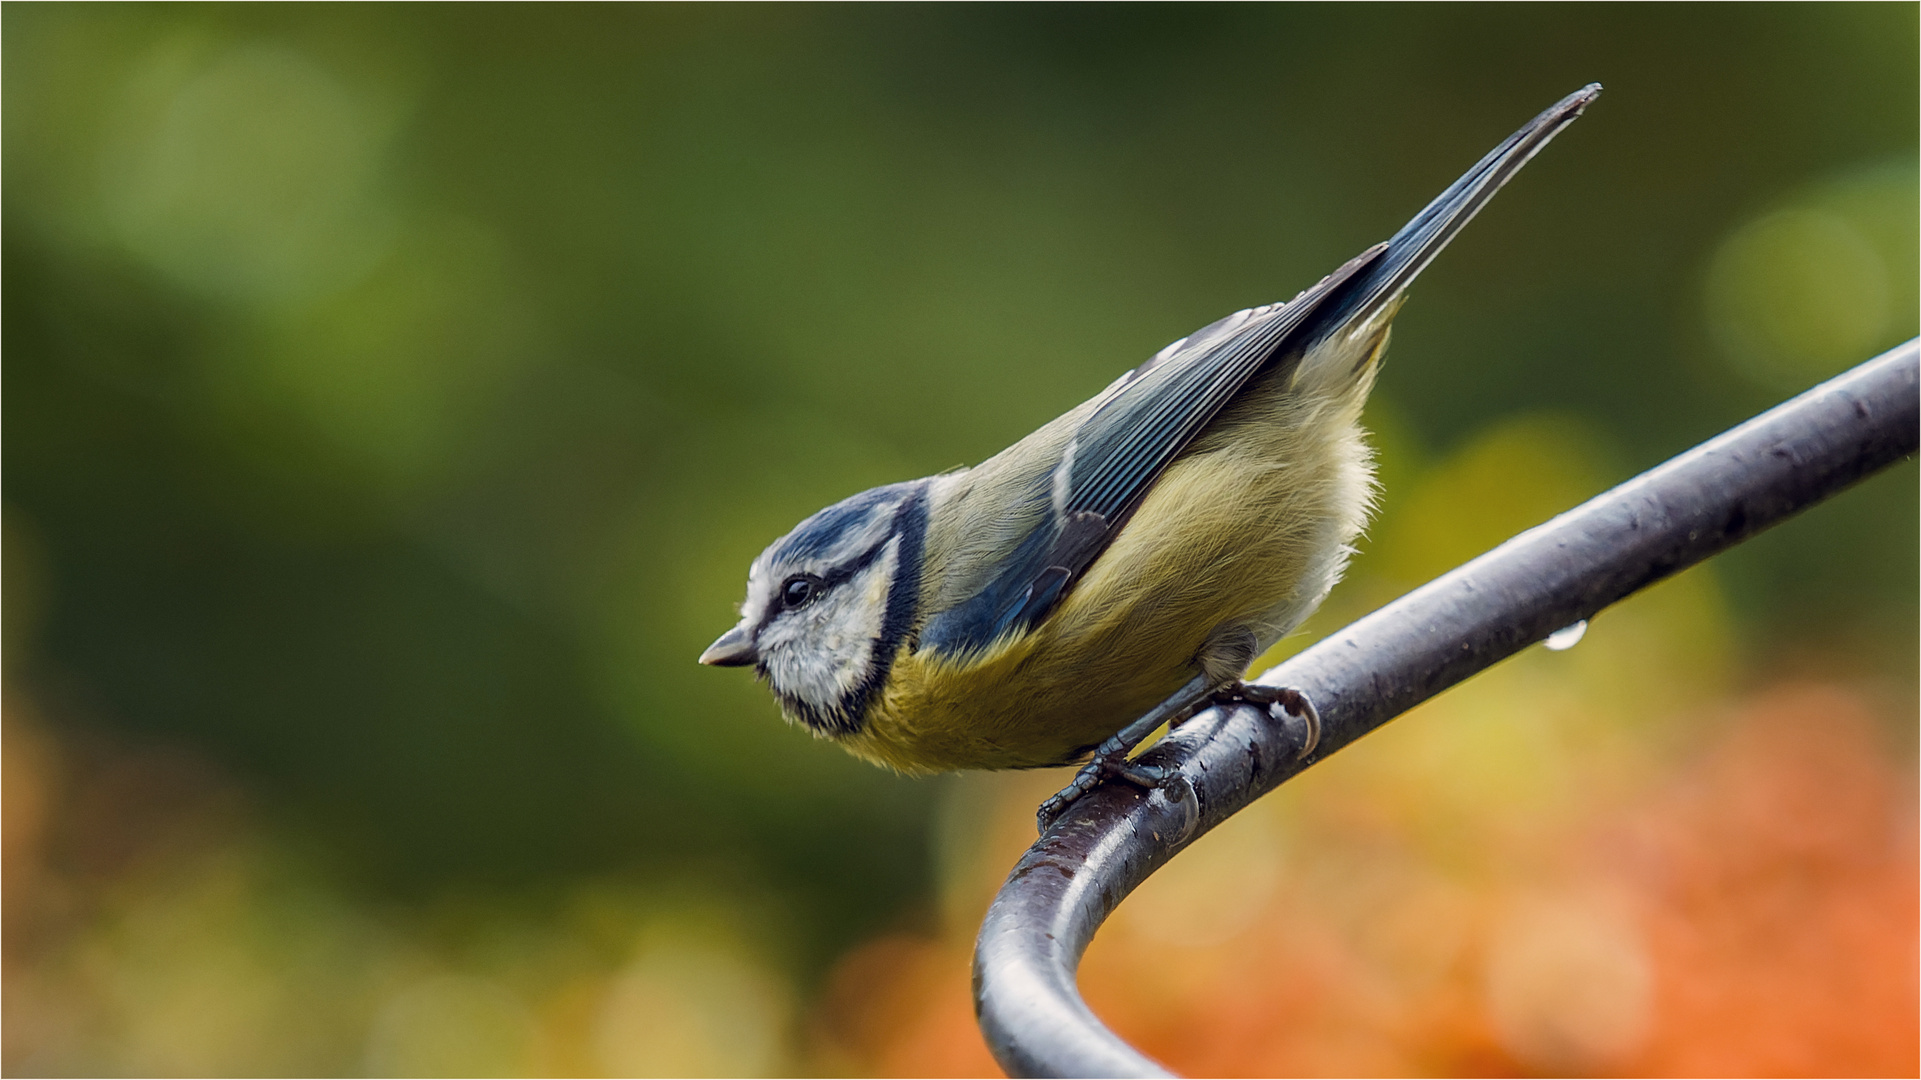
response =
{"points": [[1748, 910]]}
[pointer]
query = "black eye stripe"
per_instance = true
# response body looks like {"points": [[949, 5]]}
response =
{"points": [[840, 574], [824, 582]]}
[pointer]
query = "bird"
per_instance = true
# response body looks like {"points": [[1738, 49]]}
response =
{"points": [[1120, 567]]}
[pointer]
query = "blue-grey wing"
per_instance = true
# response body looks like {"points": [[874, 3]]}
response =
{"points": [[1162, 406], [1148, 418]]}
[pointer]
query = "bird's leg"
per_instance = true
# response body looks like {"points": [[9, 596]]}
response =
{"points": [[1276, 699], [1110, 757]]}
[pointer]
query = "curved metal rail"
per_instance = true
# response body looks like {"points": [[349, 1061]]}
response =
{"points": [[1666, 519]]}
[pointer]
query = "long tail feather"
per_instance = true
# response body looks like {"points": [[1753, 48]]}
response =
{"points": [[1411, 249]]}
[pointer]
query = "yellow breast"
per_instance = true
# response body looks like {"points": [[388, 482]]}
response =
{"points": [[1249, 528]]}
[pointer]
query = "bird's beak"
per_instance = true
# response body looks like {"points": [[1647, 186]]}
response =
{"points": [[734, 649]]}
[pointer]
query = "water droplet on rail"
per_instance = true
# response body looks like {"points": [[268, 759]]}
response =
{"points": [[1566, 637]]}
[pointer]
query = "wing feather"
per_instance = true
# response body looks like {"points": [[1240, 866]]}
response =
{"points": [[1149, 416], [1122, 449]]}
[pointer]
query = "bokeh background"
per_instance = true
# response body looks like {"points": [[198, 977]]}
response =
{"points": [[395, 395]]}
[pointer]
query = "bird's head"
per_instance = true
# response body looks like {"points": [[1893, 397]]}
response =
{"points": [[829, 604]]}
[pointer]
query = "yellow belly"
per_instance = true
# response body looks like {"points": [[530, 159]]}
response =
{"points": [[1248, 528]]}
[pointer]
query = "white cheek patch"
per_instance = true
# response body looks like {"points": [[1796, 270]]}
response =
{"points": [[822, 653]]}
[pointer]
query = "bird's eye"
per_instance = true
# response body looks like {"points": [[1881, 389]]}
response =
{"points": [[800, 590]]}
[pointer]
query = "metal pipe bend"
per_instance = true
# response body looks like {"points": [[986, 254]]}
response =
{"points": [[1569, 569]]}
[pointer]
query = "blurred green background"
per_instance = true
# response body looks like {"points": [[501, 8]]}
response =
{"points": [[395, 395]]}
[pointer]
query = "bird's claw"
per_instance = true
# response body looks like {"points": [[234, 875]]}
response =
{"points": [[1146, 777], [1279, 701], [1057, 803]]}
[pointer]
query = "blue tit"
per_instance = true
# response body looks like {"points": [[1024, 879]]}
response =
{"points": [[1126, 562]]}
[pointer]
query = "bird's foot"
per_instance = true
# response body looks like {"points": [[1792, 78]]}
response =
{"points": [[1110, 761], [1102, 767], [1111, 758], [1280, 703]]}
